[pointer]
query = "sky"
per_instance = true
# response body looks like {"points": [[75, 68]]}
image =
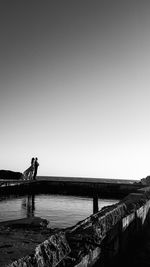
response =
{"points": [[74, 87]]}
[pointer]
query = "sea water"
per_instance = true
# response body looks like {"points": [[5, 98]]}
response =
{"points": [[61, 211]]}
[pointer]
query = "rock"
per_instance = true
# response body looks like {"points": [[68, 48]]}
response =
{"points": [[49, 253], [10, 175], [145, 181], [52, 251], [34, 222]]}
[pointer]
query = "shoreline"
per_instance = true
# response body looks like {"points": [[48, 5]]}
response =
{"points": [[18, 238]]}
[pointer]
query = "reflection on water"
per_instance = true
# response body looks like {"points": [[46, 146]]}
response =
{"points": [[28, 206], [59, 210]]}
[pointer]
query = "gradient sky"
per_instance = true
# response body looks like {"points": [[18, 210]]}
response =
{"points": [[75, 87]]}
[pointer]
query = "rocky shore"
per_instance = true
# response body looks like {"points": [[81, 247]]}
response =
{"points": [[10, 175], [19, 238]]}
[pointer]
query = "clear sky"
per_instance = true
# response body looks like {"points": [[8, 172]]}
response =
{"points": [[75, 87]]}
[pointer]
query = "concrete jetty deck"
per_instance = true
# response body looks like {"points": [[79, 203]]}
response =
{"points": [[108, 188], [87, 180]]}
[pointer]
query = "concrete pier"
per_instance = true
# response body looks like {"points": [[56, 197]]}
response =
{"points": [[107, 188], [103, 239]]}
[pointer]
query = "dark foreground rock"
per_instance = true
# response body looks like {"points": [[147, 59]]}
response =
{"points": [[19, 238], [31, 223], [49, 253]]}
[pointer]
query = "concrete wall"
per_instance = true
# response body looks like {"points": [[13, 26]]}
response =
{"points": [[101, 238]]}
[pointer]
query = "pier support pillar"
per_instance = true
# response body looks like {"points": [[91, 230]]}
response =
{"points": [[95, 203]]}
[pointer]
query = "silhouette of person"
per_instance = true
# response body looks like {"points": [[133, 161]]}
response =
{"points": [[32, 169], [28, 174], [32, 161], [36, 165]]}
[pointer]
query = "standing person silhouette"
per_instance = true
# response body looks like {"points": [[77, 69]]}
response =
{"points": [[32, 161], [36, 165], [32, 168], [28, 173]]}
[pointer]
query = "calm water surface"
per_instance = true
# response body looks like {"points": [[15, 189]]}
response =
{"points": [[61, 211]]}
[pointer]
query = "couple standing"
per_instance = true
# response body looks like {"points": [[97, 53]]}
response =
{"points": [[31, 172]]}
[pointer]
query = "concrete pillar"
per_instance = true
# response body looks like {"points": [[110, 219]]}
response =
{"points": [[95, 203]]}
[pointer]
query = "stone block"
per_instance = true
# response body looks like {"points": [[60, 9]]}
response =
{"points": [[49, 253]]}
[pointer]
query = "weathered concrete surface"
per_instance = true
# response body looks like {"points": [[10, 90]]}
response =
{"points": [[139, 254], [86, 237]]}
